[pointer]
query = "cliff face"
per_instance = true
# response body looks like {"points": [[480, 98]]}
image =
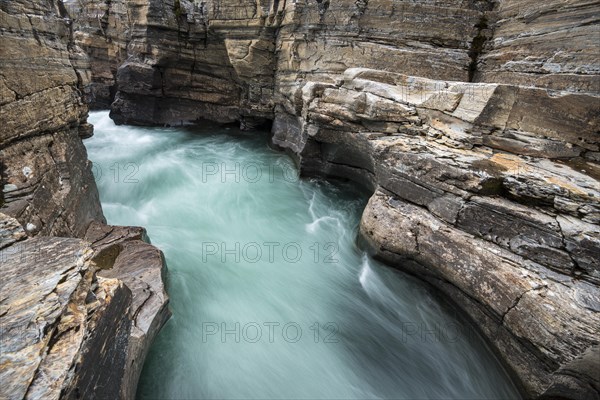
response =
{"points": [[233, 61], [48, 181], [80, 301], [228, 61], [188, 61], [101, 30], [549, 44], [475, 124]]}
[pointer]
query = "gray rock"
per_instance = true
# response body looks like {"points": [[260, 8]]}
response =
{"points": [[579, 379], [77, 320], [10, 231], [123, 254], [54, 314]]}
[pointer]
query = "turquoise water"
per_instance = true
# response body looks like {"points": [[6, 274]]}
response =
{"points": [[271, 296]]}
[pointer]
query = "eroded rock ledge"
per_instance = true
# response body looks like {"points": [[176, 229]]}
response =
{"points": [[80, 302], [468, 197], [77, 316], [445, 139], [124, 253]]}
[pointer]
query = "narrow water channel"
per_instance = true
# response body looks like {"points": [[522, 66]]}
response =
{"points": [[271, 296]]}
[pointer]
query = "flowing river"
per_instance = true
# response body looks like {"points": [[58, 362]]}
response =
{"points": [[270, 294]]}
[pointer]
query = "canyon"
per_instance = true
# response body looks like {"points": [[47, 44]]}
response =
{"points": [[474, 124]]}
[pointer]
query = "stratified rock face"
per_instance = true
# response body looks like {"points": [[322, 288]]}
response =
{"points": [[47, 181], [551, 44], [475, 124], [197, 60], [188, 60], [233, 61], [101, 29], [76, 319]]}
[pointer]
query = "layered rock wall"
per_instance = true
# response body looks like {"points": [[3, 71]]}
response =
{"points": [[213, 55], [80, 302], [226, 61], [101, 29], [551, 44], [48, 184]]}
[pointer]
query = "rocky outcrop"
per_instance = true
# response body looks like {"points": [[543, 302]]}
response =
{"points": [[488, 191], [475, 124], [77, 319], [101, 29], [48, 184], [80, 302], [482, 207], [64, 331], [124, 253], [578, 379]]}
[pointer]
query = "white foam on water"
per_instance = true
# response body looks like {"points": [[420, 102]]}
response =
{"points": [[358, 318]]}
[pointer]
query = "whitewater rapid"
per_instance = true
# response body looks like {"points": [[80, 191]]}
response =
{"points": [[271, 296]]}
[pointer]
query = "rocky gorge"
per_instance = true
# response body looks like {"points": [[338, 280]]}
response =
{"points": [[475, 125]]}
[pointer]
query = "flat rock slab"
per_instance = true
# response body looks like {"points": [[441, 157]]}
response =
{"points": [[39, 278]]}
